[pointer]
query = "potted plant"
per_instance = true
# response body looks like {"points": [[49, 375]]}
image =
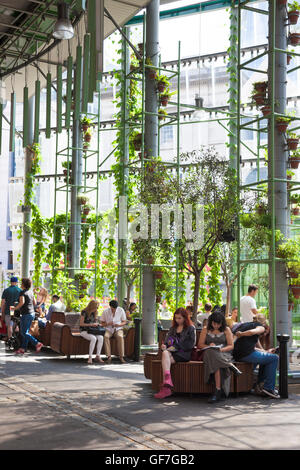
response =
{"points": [[162, 114], [86, 209], [295, 198], [137, 141], [260, 87], [292, 140], [246, 220], [86, 123], [293, 269], [67, 166], [162, 83], [295, 287], [266, 110], [294, 160], [86, 145], [158, 273], [82, 199], [294, 39], [88, 135], [164, 99], [296, 210], [282, 123], [293, 12]]}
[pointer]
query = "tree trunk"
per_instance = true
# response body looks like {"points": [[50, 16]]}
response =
{"points": [[196, 297]]}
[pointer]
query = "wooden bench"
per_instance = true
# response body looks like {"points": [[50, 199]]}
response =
{"points": [[44, 334], [188, 377], [66, 339]]}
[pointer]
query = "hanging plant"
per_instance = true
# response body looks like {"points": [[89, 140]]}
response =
{"points": [[260, 87], [282, 124], [294, 160], [294, 39], [293, 12], [292, 140], [162, 114], [137, 141], [88, 135], [266, 110], [86, 123], [162, 83], [82, 199]]}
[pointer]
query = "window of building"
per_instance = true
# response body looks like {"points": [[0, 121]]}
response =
{"points": [[167, 136]]}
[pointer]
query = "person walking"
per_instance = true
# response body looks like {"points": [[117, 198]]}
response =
{"points": [[88, 330], [177, 347], [26, 307], [248, 305], [247, 348], [114, 319], [10, 297]]}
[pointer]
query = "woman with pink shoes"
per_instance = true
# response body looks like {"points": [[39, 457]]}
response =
{"points": [[177, 347]]}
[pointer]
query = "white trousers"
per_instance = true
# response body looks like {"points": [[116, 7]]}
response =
{"points": [[92, 339]]}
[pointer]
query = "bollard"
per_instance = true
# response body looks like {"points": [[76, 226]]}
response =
{"points": [[283, 365], [137, 339]]}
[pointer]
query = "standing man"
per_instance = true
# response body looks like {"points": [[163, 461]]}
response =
{"points": [[113, 319], [248, 305], [10, 297]]}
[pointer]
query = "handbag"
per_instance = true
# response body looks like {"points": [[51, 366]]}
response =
{"points": [[96, 330]]}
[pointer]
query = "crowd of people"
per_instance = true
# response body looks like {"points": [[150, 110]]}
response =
{"points": [[223, 339]]}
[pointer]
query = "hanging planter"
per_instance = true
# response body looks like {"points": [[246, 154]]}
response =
{"points": [[84, 285], [288, 59], [87, 137], [152, 74], [162, 114], [282, 124], [86, 124], [82, 199], [137, 142], [294, 39], [158, 274], [86, 210], [260, 87], [164, 99], [295, 291], [294, 161], [259, 98], [261, 209], [292, 143], [150, 260], [296, 211], [293, 274], [293, 16], [266, 110]]}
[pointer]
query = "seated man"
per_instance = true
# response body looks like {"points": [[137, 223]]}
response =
{"points": [[247, 348], [56, 306], [113, 319]]}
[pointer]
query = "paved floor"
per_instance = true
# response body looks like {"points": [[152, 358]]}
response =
{"points": [[48, 402]]}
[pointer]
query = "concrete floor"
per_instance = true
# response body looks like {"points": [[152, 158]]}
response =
{"points": [[48, 402]]}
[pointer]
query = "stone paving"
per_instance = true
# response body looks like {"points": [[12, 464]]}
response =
{"points": [[49, 402]]}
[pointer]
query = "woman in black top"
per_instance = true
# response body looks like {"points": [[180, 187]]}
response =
{"points": [[177, 347], [87, 321], [26, 307]]}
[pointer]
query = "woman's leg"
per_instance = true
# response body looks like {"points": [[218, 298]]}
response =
{"points": [[99, 344], [165, 389], [26, 321], [166, 361], [218, 379], [91, 339]]}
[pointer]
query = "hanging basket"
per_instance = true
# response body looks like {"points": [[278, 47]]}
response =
{"points": [[282, 126], [259, 98], [83, 220], [292, 144], [152, 74], [294, 162], [87, 137], [161, 86], [288, 59], [86, 211], [296, 291], [294, 39], [266, 110], [293, 16], [261, 87], [164, 99], [296, 210]]}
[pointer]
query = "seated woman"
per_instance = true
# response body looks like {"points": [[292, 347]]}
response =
{"points": [[232, 319], [87, 321], [41, 298], [177, 347], [217, 361], [130, 310]]}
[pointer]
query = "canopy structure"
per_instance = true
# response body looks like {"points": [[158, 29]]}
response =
{"points": [[27, 46]]}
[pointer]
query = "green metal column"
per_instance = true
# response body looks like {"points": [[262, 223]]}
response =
{"points": [[122, 240]]}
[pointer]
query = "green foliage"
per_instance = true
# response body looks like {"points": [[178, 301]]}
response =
{"points": [[293, 6]]}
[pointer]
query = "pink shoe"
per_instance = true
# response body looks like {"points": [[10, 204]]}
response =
{"points": [[163, 393], [20, 351], [38, 347], [168, 381]]}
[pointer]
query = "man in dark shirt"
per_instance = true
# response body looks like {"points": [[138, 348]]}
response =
{"points": [[10, 297], [248, 349]]}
